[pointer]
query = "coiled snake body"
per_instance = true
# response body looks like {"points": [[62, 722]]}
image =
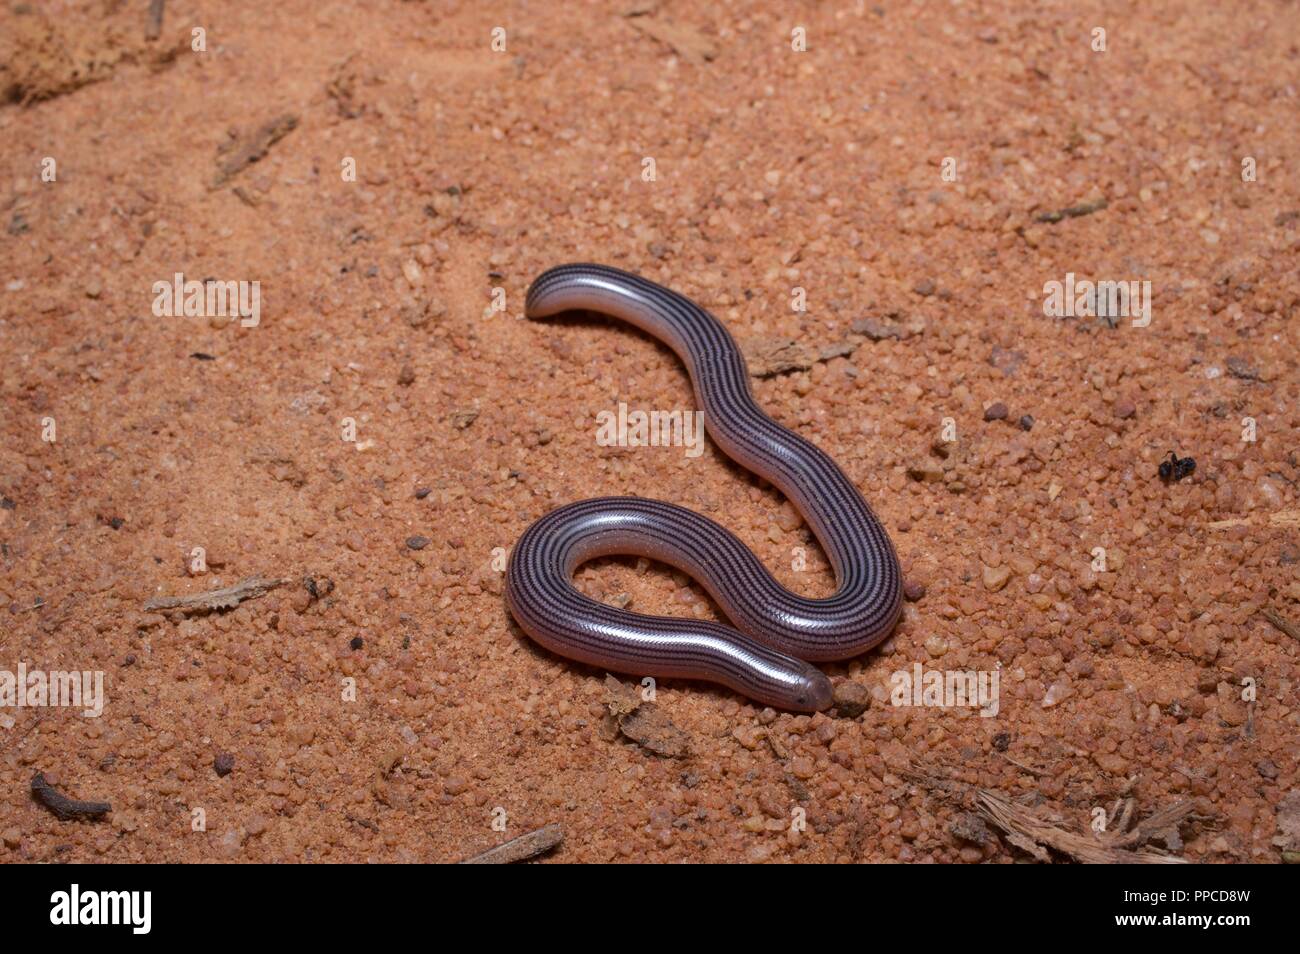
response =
{"points": [[777, 634]]}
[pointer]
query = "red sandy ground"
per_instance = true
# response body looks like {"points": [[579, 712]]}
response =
{"points": [[775, 169]]}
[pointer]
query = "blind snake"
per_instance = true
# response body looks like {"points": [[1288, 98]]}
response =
{"points": [[777, 634]]}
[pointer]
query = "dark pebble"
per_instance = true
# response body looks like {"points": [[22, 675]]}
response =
{"points": [[422, 492], [417, 542], [224, 764], [913, 591], [996, 412], [851, 699], [1026, 423], [357, 642]]}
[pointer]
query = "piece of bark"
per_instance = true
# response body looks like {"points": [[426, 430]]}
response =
{"points": [[227, 598], [520, 849], [234, 157]]}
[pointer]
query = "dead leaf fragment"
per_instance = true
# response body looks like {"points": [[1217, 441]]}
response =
{"points": [[643, 722]]}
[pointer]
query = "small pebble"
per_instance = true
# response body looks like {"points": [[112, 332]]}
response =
{"points": [[850, 699]]}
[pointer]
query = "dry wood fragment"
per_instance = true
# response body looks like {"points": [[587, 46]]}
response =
{"points": [[520, 849], [687, 42], [1282, 518], [154, 28], [1122, 843], [1281, 622], [239, 154], [1073, 211], [227, 598]]}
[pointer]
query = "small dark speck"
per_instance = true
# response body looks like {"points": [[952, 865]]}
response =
{"points": [[224, 764], [1026, 423], [7, 504], [422, 492], [203, 356], [357, 642], [116, 523], [417, 542]]}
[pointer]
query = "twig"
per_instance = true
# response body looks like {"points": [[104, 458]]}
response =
{"points": [[241, 154], [227, 598], [154, 29], [65, 808], [1040, 773], [1281, 622], [1073, 212], [520, 849]]}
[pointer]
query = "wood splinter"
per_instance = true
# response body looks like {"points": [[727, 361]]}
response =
{"points": [[520, 849]]}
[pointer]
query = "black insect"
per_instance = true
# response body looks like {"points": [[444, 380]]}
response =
{"points": [[1176, 468]]}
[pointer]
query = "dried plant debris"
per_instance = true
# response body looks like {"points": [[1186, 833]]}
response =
{"points": [[1028, 829], [1025, 829], [687, 42], [643, 722], [768, 357], [223, 599], [1073, 211], [239, 152], [1281, 622], [462, 418], [520, 849], [1288, 827], [65, 808], [153, 28]]}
